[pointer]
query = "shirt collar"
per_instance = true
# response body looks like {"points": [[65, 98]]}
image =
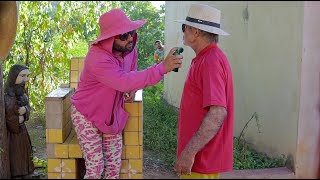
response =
{"points": [[211, 46]]}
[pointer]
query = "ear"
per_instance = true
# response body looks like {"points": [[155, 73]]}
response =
{"points": [[196, 32]]}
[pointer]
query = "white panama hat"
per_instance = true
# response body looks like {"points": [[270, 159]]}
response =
{"points": [[204, 17]]}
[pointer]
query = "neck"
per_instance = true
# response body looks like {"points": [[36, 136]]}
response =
{"points": [[117, 53], [200, 45]]}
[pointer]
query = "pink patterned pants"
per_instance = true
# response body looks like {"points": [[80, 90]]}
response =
{"points": [[101, 152]]}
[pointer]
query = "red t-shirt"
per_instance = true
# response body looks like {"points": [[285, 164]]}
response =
{"points": [[209, 82]]}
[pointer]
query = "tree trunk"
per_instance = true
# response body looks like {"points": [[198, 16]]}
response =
{"points": [[4, 146]]}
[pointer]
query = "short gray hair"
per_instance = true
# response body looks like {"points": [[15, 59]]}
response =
{"points": [[214, 38]]}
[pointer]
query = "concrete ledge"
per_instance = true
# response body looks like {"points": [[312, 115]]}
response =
{"points": [[269, 173]]}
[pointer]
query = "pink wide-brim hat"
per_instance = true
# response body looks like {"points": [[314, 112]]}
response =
{"points": [[116, 22]]}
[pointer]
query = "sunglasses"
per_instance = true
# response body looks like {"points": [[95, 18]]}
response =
{"points": [[183, 27], [124, 37]]}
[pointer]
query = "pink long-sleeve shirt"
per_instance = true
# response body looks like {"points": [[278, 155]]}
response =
{"points": [[104, 79]]}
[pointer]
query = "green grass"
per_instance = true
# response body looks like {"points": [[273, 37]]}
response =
{"points": [[37, 130], [245, 157], [160, 126]]}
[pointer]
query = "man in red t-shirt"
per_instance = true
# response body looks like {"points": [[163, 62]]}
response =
{"points": [[205, 125]]}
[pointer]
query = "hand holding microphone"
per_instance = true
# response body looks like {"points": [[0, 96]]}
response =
{"points": [[177, 52], [173, 59]]}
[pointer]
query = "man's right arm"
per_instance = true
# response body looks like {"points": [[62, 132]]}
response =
{"points": [[109, 73]]}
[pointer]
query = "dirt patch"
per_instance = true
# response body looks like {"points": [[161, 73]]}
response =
{"points": [[153, 168]]}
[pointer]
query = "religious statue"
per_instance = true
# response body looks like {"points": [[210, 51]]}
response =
{"points": [[17, 112]]}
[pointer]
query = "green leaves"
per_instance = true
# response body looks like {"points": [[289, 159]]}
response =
{"points": [[49, 31]]}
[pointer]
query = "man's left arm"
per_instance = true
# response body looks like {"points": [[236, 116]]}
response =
{"points": [[209, 127]]}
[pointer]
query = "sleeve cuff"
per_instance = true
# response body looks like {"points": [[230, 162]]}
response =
{"points": [[162, 69]]}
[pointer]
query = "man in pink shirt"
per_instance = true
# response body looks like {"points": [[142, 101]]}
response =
{"points": [[205, 124], [110, 72]]}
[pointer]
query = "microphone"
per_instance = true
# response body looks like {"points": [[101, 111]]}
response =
{"points": [[178, 51]]}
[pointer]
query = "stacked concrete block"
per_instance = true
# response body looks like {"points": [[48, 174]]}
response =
{"points": [[59, 133], [65, 158], [58, 121], [132, 152], [76, 66]]}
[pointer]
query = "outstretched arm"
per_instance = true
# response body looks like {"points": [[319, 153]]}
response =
{"points": [[112, 75]]}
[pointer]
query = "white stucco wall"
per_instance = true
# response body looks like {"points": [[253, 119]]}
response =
{"points": [[265, 53]]}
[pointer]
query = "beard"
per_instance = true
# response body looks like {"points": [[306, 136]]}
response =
{"points": [[19, 89], [127, 49]]}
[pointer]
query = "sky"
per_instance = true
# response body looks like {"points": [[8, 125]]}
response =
{"points": [[157, 3]]}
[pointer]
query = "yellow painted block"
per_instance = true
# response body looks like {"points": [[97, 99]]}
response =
{"points": [[132, 109], [54, 175], [68, 165], [69, 175], [74, 147], [123, 176], [132, 152], [135, 165], [55, 136], [141, 151], [81, 64], [131, 138], [132, 124], [140, 108], [74, 76], [59, 135], [61, 151], [54, 165], [124, 166], [140, 138], [123, 154], [136, 176], [74, 64], [140, 123], [75, 151], [73, 85]]}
